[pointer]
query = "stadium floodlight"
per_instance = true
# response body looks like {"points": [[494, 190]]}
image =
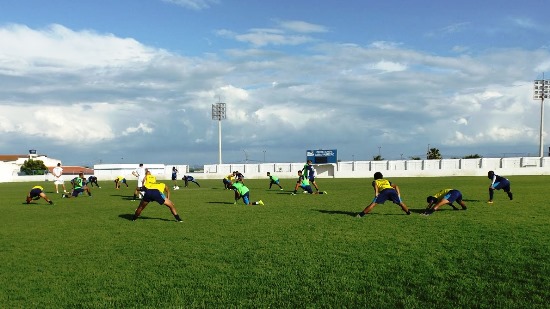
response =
{"points": [[219, 114], [541, 92]]}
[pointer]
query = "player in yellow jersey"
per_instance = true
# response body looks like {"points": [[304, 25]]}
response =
{"points": [[444, 197], [149, 179], [159, 193], [36, 193], [119, 180], [228, 181], [384, 190]]}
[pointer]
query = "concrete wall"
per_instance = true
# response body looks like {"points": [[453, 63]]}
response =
{"points": [[160, 171], [396, 168], [348, 169]]}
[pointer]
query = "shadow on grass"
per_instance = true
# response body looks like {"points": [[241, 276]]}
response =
{"points": [[441, 209], [35, 204], [284, 192], [465, 200], [417, 211], [353, 214], [230, 203], [337, 212], [125, 197], [129, 217]]}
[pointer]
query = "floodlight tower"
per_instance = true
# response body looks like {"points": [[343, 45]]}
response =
{"points": [[542, 91], [219, 114]]}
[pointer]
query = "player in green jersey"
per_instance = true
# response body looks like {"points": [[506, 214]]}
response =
{"points": [[273, 180], [242, 191], [303, 182]]}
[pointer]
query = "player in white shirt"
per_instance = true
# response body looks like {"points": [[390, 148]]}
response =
{"points": [[58, 178], [140, 174]]}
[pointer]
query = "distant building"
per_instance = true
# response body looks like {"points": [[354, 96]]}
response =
{"points": [[10, 165]]}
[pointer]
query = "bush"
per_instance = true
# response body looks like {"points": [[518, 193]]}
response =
{"points": [[33, 167]]}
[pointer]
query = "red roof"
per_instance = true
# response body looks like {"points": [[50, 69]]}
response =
{"points": [[13, 157]]}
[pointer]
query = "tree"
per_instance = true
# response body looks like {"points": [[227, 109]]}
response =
{"points": [[377, 158], [472, 156], [33, 167], [433, 154]]}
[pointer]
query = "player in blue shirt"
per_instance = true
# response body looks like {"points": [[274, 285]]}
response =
{"points": [[497, 183], [189, 178], [93, 180], [309, 173], [175, 177]]}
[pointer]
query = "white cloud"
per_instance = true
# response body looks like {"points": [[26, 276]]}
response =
{"points": [[302, 26], [388, 66], [523, 22], [194, 4], [116, 95], [58, 49], [450, 29], [141, 127], [264, 37]]}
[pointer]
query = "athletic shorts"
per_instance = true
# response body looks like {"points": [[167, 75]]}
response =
{"points": [[35, 192], [77, 191], [308, 189], [59, 181], [504, 185], [453, 195], [387, 194], [154, 195]]}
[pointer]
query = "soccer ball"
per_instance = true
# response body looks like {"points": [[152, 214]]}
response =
{"points": [[176, 188]]}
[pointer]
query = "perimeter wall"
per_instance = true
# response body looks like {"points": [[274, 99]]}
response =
{"points": [[345, 169]]}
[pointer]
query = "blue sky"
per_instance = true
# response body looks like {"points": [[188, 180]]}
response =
{"points": [[134, 81]]}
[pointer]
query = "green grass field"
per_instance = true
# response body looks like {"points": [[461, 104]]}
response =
{"points": [[296, 251]]}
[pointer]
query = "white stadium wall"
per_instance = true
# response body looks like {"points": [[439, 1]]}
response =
{"points": [[396, 168], [347, 169]]}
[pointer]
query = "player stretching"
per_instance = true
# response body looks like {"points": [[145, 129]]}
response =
{"points": [[384, 190], [273, 180], [156, 192], [303, 182], [444, 197], [497, 183]]}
